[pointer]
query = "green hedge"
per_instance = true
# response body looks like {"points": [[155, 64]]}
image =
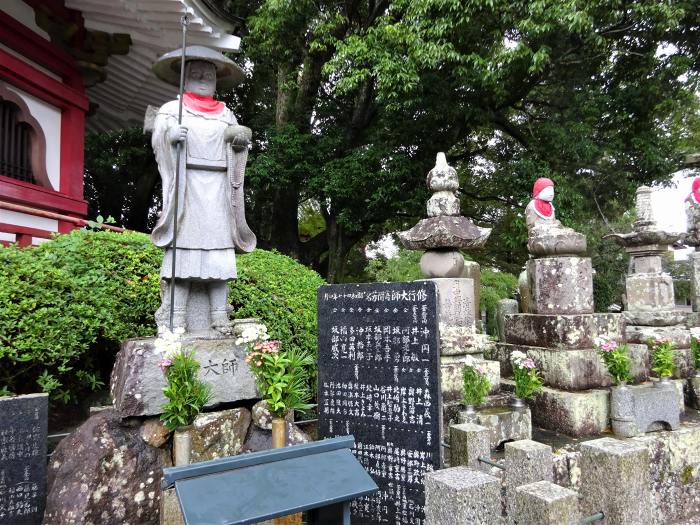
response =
{"points": [[66, 305]]}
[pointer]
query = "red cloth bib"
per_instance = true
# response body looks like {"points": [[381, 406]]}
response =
{"points": [[203, 104], [544, 208]]}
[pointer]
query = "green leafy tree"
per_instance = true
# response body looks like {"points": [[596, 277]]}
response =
{"points": [[121, 178], [350, 102]]}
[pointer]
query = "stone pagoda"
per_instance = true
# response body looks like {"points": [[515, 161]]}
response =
{"points": [[442, 235], [651, 310], [559, 330]]}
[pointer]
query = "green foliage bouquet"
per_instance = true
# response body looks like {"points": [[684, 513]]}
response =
{"points": [[527, 380], [476, 384], [661, 353], [186, 393], [282, 377], [615, 357]]}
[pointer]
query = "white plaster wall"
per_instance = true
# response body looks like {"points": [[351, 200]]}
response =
{"points": [[9, 237], [39, 240], [49, 118], [28, 221], [21, 12]]}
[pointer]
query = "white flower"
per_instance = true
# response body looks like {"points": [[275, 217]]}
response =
{"points": [[168, 343], [469, 361], [517, 357], [600, 340], [253, 333]]}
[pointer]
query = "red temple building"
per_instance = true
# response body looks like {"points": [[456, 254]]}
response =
{"points": [[68, 67]]}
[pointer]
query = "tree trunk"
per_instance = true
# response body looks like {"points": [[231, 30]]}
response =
{"points": [[143, 199], [339, 246]]}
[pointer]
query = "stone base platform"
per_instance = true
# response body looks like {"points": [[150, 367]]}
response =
{"points": [[656, 317], [568, 331], [576, 369], [679, 334], [137, 382], [576, 414]]}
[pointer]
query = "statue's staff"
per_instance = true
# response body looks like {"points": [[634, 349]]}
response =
{"points": [[184, 21]]}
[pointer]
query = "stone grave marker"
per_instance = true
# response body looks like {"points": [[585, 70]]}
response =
{"points": [[23, 459], [379, 380]]}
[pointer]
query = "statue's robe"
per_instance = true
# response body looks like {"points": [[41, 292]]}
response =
{"points": [[211, 224]]}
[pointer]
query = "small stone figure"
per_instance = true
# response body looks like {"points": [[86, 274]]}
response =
{"points": [[546, 235], [692, 212], [211, 222]]}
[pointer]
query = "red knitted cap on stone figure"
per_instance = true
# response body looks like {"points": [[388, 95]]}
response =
{"points": [[540, 184]]}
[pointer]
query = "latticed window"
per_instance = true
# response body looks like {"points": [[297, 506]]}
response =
{"points": [[15, 144]]}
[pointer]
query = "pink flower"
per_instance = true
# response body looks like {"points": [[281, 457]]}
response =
{"points": [[608, 346], [528, 363], [163, 364], [259, 363]]}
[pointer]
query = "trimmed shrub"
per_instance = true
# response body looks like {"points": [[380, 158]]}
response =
{"points": [[282, 293], [67, 304]]}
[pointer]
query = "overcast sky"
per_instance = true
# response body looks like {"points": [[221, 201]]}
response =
{"points": [[669, 206]]}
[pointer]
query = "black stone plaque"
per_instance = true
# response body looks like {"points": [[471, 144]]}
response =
{"points": [[379, 380], [23, 459]]}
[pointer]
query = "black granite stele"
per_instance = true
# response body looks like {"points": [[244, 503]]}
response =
{"points": [[23, 459], [379, 380]]}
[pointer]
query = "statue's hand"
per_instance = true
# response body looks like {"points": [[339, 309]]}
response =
{"points": [[177, 134], [238, 136]]}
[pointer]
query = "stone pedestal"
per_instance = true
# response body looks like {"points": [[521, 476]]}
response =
{"points": [[459, 495], [137, 382], [563, 331], [545, 503], [615, 481], [679, 334], [504, 307], [650, 292], [560, 285], [467, 442], [504, 423], [634, 411], [578, 414], [456, 305]]}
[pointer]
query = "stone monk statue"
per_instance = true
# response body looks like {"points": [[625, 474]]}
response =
{"points": [[211, 223], [546, 235]]}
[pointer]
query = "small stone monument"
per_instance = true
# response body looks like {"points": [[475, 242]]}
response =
{"points": [[442, 235], [559, 328], [23, 459], [651, 308]]}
